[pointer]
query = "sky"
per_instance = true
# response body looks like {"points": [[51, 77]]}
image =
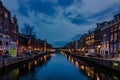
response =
{"points": [[62, 21]]}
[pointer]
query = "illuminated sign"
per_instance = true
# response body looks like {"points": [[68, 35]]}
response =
{"points": [[115, 64], [13, 50]]}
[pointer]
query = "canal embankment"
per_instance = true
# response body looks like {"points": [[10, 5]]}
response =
{"points": [[109, 63], [5, 62]]}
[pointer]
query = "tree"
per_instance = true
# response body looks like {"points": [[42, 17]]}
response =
{"points": [[28, 30]]}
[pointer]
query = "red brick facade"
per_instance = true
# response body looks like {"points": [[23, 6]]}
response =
{"points": [[8, 26]]}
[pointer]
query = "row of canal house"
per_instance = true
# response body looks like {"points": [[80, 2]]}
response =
{"points": [[9, 33], [107, 37], [28, 44], [103, 40]]}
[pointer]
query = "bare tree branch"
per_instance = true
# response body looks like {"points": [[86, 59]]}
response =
{"points": [[28, 30]]}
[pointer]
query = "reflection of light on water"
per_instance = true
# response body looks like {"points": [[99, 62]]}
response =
{"points": [[97, 77], [65, 55], [45, 58], [115, 78], [88, 74], [88, 71], [52, 55], [14, 74], [82, 67], [16, 71], [24, 65], [41, 58], [29, 66], [69, 58], [72, 61], [77, 64], [35, 62]]}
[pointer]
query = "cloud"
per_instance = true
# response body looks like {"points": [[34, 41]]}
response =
{"points": [[65, 3], [86, 9], [76, 37], [52, 1]]}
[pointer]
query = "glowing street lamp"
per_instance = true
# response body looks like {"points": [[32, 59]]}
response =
{"points": [[99, 48]]}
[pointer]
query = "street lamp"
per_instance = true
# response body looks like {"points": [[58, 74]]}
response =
{"points": [[99, 49], [99, 46]]}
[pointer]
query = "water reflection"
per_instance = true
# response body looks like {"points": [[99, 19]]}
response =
{"points": [[94, 72], [24, 71], [57, 67]]}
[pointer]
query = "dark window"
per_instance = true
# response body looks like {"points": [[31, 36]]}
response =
{"points": [[111, 29], [6, 31], [14, 36], [7, 52], [6, 23], [0, 29], [0, 19], [6, 43], [0, 42]]}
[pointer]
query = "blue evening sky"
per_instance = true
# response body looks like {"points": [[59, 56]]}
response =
{"points": [[61, 21]]}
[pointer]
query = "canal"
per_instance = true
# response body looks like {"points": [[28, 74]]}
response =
{"points": [[57, 67]]}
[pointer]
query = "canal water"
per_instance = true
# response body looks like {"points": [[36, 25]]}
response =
{"points": [[57, 67]]}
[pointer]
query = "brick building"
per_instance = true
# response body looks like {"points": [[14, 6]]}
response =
{"points": [[15, 30], [114, 27], [5, 20], [105, 36], [8, 29], [98, 37]]}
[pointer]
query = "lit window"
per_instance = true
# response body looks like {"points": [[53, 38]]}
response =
{"points": [[7, 44], [115, 36], [111, 29], [1, 52], [119, 26], [111, 37], [6, 15]]}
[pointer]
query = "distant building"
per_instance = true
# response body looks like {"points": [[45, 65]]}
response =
{"points": [[82, 43], [90, 42], [23, 44]]}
